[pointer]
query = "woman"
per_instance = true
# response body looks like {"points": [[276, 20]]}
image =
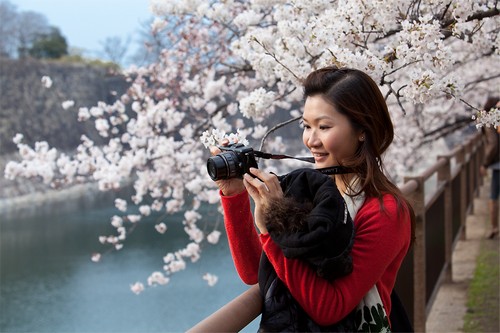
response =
{"points": [[492, 162], [346, 123]]}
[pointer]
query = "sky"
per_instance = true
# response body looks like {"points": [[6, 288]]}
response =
{"points": [[87, 23]]}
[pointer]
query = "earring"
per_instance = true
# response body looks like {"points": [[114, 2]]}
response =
{"points": [[362, 138]]}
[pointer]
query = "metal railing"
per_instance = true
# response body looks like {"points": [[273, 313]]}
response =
{"points": [[441, 196]]}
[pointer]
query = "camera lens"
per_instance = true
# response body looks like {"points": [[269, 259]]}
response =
{"points": [[216, 167], [223, 166]]}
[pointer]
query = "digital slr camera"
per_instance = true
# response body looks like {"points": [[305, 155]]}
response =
{"points": [[236, 159], [233, 162]]}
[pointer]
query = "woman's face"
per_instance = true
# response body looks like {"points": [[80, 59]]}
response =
{"points": [[328, 134]]}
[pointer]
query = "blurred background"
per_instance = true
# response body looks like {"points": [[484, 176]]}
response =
{"points": [[108, 30], [48, 282]]}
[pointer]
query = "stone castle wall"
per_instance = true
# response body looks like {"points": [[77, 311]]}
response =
{"points": [[29, 108]]}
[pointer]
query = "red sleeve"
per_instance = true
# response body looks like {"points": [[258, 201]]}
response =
{"points": [[380, 244], [243, 239]]}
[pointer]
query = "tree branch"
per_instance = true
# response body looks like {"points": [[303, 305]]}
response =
{"points": [[446, 26], [276, 127], [446, 129]]}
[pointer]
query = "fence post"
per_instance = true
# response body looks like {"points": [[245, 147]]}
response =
{"points": [[480, 157], [477, 163], [475, 166], [460, 157], [417, 199], [470, 169], [444, 176]]}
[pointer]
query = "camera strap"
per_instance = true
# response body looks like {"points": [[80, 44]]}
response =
{"points": [[269, 156], [333, 170]]}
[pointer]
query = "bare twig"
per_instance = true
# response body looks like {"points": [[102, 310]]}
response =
{"points": [[276, 127], [275, 58]]}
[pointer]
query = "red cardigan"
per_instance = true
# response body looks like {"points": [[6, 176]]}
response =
{"points": [[381, 241]]}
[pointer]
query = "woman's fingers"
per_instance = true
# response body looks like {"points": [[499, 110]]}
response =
{"points": [[269, 179], [263, 188], [214, 150], [250, 188], [265, 184], [256, 183]]}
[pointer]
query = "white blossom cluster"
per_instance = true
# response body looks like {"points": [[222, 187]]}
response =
{"points": [[488, 118], [229, 66], [216, 137], [46, 81], [258, 104]]}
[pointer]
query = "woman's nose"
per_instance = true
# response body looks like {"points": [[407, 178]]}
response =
{"points": [[313, 140]]}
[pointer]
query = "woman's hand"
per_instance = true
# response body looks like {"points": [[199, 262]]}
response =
{"points": [[263, 189], [230, 186]]}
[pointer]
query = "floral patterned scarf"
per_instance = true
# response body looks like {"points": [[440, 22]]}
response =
{"points": [[370, 314]]}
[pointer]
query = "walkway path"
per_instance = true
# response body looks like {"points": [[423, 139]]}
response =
{"points": [[449, 308]]}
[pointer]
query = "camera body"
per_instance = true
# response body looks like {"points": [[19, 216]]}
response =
{"points": [[233, 162]]}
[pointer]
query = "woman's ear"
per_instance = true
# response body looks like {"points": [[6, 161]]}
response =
{"points": [[361, 136]]}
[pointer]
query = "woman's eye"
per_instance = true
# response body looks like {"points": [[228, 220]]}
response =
{"points": [[324, 127]]}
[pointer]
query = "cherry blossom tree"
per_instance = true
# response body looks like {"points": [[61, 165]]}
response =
{"points": [[231, 69]]}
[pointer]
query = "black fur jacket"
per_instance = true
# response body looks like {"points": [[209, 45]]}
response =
{"points": [[310, 223]]}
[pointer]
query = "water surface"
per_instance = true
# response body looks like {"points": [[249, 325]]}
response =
{"points": [[49, 284]]}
